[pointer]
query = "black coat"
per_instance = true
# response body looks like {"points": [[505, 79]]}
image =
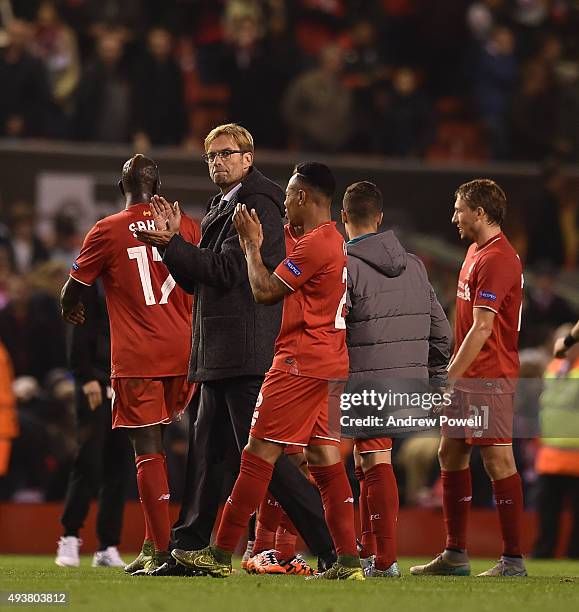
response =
{"points": [[90, 347], [232, 335]]}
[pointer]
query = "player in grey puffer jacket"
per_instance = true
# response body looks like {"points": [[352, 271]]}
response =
{"points": [[396, 329]]}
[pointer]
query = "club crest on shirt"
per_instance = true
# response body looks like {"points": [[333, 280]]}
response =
{"points": [[290, 265], [147, 213], [487, 295]]}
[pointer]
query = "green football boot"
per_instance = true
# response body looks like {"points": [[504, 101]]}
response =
{"points": [[345, 568], [209, 560], [146, 553]]}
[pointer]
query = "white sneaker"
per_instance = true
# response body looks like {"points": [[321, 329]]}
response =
{"points": [[107, 558], [67, 553]]}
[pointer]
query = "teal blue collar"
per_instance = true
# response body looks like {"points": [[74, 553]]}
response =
{"points": [[358, 238]]}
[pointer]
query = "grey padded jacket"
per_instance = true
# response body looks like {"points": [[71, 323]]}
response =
{"points": [[396, 327]]}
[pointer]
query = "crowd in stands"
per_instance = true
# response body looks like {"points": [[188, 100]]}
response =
{"points": [[471, 79], [439, 80]]}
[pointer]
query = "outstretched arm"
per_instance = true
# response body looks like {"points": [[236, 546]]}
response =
{"points": [[267, 288]]}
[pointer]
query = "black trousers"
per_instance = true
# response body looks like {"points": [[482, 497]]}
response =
{"points": [[102, 467], [553, 491], [217, 438]]}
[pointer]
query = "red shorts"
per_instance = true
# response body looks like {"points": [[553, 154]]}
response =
{"points": [[373, 445], [293, 449], [297, 410], [139, 402], [493, 413]]}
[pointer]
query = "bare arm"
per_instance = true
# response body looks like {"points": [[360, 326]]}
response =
{"points": [[478, 334], [72, 309], [267, 288]]}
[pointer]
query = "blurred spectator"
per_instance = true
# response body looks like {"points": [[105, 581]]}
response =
{"points": [[364, 73], [534, 113], [543, 214], [25, 103], [317, 106], [481, 18], [407, 124], [557, 461], [159, 99], [55, 43], [418, 458], [28, 247], [494, 76], [103, 102], [246, 67], [32, 332], [543, 310], [5, 275], [67, 240]]}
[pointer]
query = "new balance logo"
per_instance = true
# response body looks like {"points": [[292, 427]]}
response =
{"points": [[465, 499], [164, 497], [349, 500]]}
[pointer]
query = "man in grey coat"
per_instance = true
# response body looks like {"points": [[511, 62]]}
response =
{"points": [[396, 329], [232, 346]]}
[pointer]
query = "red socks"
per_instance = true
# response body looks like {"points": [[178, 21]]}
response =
{"points": [[154, 493], [268, 519], [509, 500], [456, 500], [248, 492], [383, 509], [338, 506], [367, 538]]}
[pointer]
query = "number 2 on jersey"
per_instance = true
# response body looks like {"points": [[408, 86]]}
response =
{"points": [[140, 254], [340, 321]]}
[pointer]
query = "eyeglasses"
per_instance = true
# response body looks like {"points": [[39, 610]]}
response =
{"points": [[224, 155]]}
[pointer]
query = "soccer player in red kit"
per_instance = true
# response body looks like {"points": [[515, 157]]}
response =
{"points": [[483, 370], [299, 399], [148, 368]]}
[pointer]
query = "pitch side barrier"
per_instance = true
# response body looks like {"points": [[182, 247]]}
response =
{"points": [[418, 195]]}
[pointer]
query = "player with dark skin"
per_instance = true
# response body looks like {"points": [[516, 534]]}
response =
{"points": [[139, 183]]}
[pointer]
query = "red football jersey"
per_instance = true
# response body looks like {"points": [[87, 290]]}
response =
{"points": [[312, 338], [491, 277], [150, 317]]}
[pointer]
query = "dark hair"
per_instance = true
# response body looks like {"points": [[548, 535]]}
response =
{"points": [[486, 194], [140, 175], [362, 201], [317, 176]]}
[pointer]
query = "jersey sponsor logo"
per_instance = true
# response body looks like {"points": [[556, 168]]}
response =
{"points": [[487, 295], [290, 265], [75, 266]]}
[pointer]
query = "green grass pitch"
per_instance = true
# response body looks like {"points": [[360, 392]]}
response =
{"points": [[552, 586]]}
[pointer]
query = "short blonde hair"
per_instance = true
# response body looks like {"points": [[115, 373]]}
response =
{"points": [[241, 136]]}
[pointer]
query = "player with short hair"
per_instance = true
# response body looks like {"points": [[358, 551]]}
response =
{"points": [[298, 401], [148, 369], [483, 372], [390, 304]]}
